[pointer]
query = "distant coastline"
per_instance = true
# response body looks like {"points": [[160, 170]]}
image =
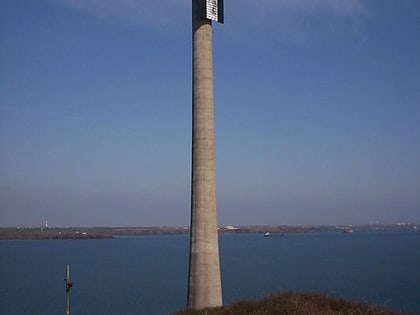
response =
{"points": [[37, 233]]}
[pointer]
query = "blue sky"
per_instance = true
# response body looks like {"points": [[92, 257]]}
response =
{"points": [[317, 112]]}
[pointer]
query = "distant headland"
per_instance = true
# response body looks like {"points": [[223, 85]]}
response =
{"points": [[30, 233]]}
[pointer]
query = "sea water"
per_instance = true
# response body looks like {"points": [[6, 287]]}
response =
{"points": [[139, 275]]}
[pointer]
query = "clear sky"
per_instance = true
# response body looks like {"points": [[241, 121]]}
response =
{"points": [[317, 112]]}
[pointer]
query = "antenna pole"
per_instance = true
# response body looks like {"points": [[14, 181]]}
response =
{"points": [[69, 284]]}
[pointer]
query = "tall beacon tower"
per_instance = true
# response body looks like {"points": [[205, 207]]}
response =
{"points": [[204, 282]]}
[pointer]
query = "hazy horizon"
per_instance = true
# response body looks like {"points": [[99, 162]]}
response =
{"points": [[341, 226]]}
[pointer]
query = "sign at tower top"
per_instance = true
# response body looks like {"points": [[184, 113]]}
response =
{"points": [[212, 10]]}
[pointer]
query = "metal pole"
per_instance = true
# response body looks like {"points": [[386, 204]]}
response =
{"points": [[69, 284]]}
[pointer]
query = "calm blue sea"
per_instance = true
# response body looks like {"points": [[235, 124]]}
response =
{"points": [[148, 274]]}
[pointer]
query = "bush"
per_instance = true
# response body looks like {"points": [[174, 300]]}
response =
{"points": [[292, 304]]}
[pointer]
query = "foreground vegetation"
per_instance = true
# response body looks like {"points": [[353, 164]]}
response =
{"points": [[291, 303]]}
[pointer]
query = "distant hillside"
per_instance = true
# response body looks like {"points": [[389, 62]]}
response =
{"points": [[110, 232], [293, 304]]}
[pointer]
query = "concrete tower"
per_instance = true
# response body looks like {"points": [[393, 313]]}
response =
{"points": [[204, 283]]}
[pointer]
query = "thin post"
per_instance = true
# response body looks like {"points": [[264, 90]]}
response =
{"points": [[69, 284]]}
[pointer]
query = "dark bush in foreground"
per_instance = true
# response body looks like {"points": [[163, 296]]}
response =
{"points": [[289, 303]]}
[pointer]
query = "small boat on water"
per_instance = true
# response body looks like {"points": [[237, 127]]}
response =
{"points": [[267, 234], [348, 231]]}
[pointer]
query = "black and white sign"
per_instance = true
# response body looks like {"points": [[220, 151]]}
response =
{"points": [[213, 10]]}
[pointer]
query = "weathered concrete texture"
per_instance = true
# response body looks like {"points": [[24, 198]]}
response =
{"points": [[204, 283]]}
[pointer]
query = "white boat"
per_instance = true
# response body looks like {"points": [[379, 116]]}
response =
{"points": [[266, 234]]}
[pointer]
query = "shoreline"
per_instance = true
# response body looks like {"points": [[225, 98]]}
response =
{"points": [[57, 233]]}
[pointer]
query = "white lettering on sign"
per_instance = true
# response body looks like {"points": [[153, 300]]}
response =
{"points": [[211, 10]]}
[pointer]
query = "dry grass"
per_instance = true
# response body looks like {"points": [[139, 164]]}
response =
{"points": [[293, 304]]}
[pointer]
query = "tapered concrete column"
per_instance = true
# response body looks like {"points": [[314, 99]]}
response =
{"points": [[204, 283]]}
